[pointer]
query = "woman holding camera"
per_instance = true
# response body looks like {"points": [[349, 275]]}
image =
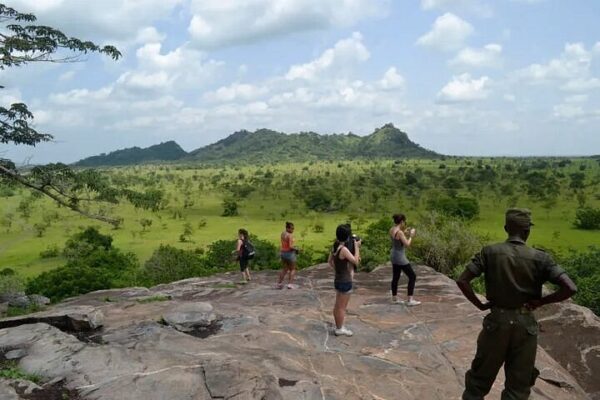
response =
{"points": [[400, 241], [343, 262]]}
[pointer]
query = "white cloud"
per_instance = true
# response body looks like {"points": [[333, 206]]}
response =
{"points": [[447, 33], [477, 7], [463, 88], [487, 57], [217, 23], [581, 85], [236, 92], [181, 68], [391, 80], [572, 70], [114, 20], [345, 54]]}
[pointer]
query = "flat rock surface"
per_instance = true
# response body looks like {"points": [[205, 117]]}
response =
{"points": [[274, 344]]}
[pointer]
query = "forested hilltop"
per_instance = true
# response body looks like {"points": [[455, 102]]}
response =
{"points": [[167, 151], [265, 146]]}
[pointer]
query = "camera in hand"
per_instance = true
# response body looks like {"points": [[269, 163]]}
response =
{"points": [[350, 242]]}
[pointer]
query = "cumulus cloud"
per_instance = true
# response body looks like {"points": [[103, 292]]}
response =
{"points": [[487, 57], [236, 92], [391, 80], [113, 20], [345, 54], [447, 33], [181, 68], [217, 23], [478, 7], [463, 88], [572, 70]]}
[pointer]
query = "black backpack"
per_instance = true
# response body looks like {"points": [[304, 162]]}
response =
{"points": [[248, 251]]}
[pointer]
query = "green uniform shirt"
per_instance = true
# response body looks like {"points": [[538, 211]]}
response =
{"points": [[514, 273]]}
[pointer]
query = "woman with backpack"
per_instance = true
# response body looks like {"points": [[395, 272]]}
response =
{"points": [[343, 262], [245, 252]]}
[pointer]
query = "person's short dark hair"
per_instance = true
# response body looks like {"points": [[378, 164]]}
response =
{"points": [[342, 233], [398, 218], [244, 232], [289, 225]]}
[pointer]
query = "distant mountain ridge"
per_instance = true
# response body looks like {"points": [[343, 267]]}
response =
{"points": [[265, 145], [167, 151], [268, 145]]}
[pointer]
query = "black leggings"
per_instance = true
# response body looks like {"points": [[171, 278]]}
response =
{"points": [[412, 278]]}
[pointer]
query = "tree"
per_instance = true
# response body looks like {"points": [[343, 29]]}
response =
{"points": [[20, 44]]}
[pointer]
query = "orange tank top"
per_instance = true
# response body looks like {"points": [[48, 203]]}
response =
{"points": [[285, 242]]}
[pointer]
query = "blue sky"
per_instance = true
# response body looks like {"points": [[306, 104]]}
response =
{"points": [[464, 77]]}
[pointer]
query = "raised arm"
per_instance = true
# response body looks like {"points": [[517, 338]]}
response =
{"points": [[406, 242], [464, 284], [566, 289]]}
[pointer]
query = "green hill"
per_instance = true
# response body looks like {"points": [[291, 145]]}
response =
{"points": [[265, 145], [167, 151]]}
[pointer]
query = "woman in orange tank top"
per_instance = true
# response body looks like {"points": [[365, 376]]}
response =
{"points": [[288, 256]]}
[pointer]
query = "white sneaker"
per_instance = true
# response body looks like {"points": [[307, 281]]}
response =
{"points": [[395, 300], [413, 302], [343, 331]]}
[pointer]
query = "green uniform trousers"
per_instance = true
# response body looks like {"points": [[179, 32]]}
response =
{"points": [[508, 337]]}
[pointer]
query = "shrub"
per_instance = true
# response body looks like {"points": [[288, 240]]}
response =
{"points": [[444, 243], [587, 218], [584, 269], [461, 207], [10, 283], [101, 269], [86, 242], [168, 264], [375, 249], [230, 208], [50, 252]]}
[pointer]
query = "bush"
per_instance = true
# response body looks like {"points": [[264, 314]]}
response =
{"points": [[587, 218], [584, 269], [460, 207], [168, 264], [50, 252], [85, 243], [444, 243], [10, 283], [230, 208], [85, 272], [375, 249]]}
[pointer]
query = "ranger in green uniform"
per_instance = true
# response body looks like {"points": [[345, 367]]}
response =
{"points": [[514, 274]]}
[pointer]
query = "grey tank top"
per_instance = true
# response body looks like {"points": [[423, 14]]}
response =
{"points": [[397, 254], [342, 268]]}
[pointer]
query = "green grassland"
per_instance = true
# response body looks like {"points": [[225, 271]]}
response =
{"points": [[316, 196]]}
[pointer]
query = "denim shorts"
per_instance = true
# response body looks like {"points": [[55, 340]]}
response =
{"points": [[289, 256], [343, 287]]}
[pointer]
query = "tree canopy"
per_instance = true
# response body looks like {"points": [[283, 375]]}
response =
{"points": [[21, 43]]}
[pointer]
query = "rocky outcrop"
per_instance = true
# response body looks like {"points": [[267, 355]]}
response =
{"points": [[571, 335], [74, 319], [267, 343]]}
